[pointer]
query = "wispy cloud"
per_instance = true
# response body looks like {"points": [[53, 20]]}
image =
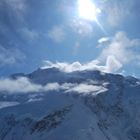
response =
{"points": [[117, 11], [112, 64], [17, 4], [87, 89], [17, 7], [76, 47], [103, 40], [57, 34], [10, 56], [28, 34], [24, 85], [51, 86], [21, 85]]}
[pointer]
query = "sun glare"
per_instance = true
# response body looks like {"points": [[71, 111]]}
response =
{"points": [[87, 10]]}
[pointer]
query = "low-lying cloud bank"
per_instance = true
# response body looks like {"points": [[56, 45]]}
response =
{"points": [[86, 89], [111, 65], [23, 85]]}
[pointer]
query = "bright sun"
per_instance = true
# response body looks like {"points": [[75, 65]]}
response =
{"points": [[87, 10]]}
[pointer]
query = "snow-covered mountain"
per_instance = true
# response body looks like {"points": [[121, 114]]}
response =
{"points": [[81, 105]]}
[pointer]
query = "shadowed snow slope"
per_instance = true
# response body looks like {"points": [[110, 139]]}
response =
{"points": [[49, 104]]}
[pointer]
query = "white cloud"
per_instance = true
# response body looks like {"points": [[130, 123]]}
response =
{"points": [[67, 67], [23, 85], [67, 86], [121, 48], [112, 64], [77, 66], [57, 34], [103, 40], [86, 88], [51, 86], [10, 56]]}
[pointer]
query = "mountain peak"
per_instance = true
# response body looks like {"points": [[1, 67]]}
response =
{"points": [[54, 101]]}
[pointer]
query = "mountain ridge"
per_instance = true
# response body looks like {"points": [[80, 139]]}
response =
{"points": [[83, 105]]}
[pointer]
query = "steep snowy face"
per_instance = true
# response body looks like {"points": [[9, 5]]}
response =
{"points": [[83, 105]]}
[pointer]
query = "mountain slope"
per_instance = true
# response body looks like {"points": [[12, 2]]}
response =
{"points": [[84, 105]]}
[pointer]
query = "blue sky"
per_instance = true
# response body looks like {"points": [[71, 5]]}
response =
{"points": [[40, 33]]}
